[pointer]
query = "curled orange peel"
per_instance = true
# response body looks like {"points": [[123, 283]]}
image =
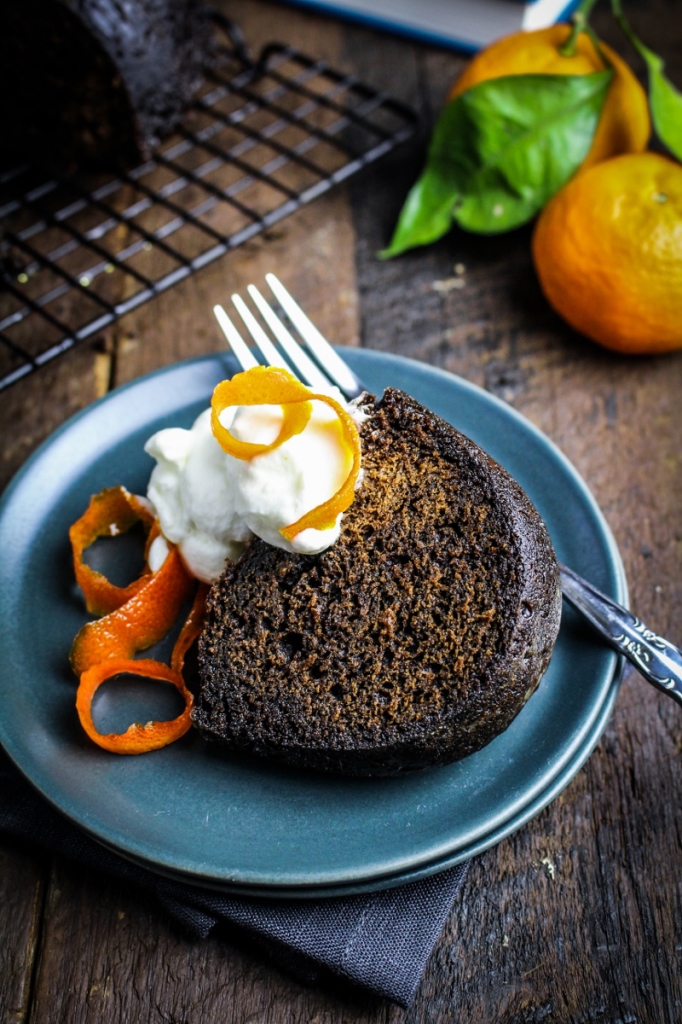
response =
{"points": [[271, 385], [142, 621], [194, 623], [109, 513], [263, 385], [131, 619], [138, 738]]}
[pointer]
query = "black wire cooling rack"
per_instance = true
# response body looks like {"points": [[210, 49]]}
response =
{"points": [[261, 139]]}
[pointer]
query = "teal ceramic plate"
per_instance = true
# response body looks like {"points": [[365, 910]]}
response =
{"points": [[253, 826]]}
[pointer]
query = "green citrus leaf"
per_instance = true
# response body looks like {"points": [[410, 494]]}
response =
{"points": [[532, 134], [499, 152], [427, 213], [664, 99], [666, 105]]}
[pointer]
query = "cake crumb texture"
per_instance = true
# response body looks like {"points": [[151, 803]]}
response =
{"points": [[414, 640]]}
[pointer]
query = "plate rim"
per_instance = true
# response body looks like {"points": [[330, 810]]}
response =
{"points": [[378, 883], [572, 762]]}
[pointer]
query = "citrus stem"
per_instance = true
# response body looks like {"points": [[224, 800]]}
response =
{"points": [[625, 27], [580, 24], [617, 9]]}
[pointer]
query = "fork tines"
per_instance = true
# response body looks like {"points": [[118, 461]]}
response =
{"points": [[328, 370]]}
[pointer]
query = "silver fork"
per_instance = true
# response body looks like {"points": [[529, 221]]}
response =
{"points": [[659, 661]]}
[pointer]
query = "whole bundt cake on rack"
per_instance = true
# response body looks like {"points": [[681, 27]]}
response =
{"points": [[94, 83]]}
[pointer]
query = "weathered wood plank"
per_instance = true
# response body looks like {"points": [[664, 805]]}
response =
{"points": [[109, 954], [31, 410], [23, 874], [180, 323]]}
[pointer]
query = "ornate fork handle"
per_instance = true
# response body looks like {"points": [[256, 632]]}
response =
{"points": [[659, 661]]}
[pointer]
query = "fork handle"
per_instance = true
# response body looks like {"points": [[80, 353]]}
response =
{"points": [[659, 661]]}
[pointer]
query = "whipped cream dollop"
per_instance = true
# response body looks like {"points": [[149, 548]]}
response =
{"points": [[210, 504]]}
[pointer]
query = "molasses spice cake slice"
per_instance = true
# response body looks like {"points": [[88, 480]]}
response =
{"points": [[411, 642]]}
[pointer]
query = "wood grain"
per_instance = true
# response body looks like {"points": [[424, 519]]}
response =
{"points": [[576, 918], [23, 878], [180, 324]]}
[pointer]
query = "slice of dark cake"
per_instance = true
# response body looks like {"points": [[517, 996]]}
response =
{"points": [[88, 83], [412, 641]]}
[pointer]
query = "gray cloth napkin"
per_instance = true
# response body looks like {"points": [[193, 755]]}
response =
{"points": [[380, 941]]}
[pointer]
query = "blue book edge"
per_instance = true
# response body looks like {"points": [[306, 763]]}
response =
{"points": [[396, 28]]}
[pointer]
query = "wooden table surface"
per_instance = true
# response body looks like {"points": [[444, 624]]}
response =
{"points": [[578, 916]]}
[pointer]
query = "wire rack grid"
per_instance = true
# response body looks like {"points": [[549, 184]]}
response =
{"points": [[261, 139]]}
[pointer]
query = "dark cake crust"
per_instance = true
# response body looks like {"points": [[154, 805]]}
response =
{"points": [[94, 83], [412, 641]]}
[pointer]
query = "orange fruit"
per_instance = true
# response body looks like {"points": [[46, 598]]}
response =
{"points": [[624, 125], [608, 252]]}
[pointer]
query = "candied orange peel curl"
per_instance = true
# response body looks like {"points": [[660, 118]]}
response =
{"points": [[112, 511], [140, 621], [131, 619], [271, 385], [138, 738]]}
